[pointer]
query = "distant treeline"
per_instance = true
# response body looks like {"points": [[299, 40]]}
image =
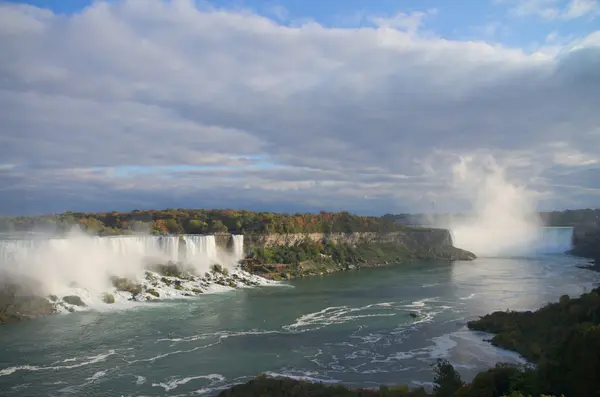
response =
{"points": [[199, 221], [580, 217]]}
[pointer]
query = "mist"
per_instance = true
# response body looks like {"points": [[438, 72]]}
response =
{"points": [[56, 265], [504, 220]]}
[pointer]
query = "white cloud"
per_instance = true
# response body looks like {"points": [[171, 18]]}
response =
{"points": [[580, 8], [339, 114], [555, 9], [409, 23]]}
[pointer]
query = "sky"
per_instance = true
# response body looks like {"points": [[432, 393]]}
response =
{"points": [[299, 105]]}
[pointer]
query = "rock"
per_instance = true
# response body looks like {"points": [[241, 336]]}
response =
{"points": [[53, 298], [16, 304], [153, 292], [413, 314], [123, 284], [108, 298], [150, 276], [73, 300]]}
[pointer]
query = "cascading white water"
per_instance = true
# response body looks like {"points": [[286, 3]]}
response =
{"points": [[200, 249], [157, 247], [170, 246], [554, 240], [539, 241], [87, 262], [238, 246]]}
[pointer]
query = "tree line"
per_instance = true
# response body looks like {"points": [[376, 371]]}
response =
{"points": [[200, 221]]}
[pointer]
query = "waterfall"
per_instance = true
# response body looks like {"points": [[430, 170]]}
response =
{"points": [[554, 240], [538, 241], [238, 246], [200, 248], [197, 248], [170, 246]]}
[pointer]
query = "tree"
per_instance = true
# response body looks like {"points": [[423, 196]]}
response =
{"points": [[217, 226], [446, 380]]}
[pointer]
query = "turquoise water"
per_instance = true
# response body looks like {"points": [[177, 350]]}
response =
{"points": [[349, 327]]}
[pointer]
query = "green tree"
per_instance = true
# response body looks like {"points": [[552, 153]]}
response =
{"points": [[217, 226], [446, 379]]}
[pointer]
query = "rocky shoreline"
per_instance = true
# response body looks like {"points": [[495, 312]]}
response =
{"points": [[18, 303]]}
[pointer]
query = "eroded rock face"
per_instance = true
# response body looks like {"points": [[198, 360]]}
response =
{"points": [[417, 239]]}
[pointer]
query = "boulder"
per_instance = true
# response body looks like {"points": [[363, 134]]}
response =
{"points": [[73, 300]]}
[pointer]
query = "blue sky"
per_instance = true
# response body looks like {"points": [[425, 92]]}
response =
{"points": [[512, 22], [369, 106]]}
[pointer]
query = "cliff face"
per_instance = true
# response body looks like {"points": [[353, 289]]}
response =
{"points": [[586, 242], [433, 243]]}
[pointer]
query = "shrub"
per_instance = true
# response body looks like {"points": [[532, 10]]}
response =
{"points": [[446, 380]]}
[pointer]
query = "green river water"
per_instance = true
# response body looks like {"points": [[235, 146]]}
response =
{"points": [[351, 327]]}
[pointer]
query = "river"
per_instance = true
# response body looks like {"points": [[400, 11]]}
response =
{"points": [[353, 327]]}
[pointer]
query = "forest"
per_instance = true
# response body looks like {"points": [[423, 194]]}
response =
{"points": [[200, 221]]}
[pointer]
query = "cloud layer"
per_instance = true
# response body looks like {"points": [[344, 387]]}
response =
{"points": [[163, 104]]}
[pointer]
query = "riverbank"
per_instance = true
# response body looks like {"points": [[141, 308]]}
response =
{"points": [[562, 339], [291, 256]]}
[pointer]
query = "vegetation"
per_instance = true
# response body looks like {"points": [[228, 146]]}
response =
{"points": [[562, 339], [190, 221], [496, 382], [123, 284], [284, 387], [315, 257]]}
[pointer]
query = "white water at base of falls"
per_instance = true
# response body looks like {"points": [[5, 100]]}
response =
{"points": [[508, 243]]}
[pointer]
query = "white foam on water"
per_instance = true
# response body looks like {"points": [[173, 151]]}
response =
{"points": [[32, 368], [305, 375], [339, 315], [174, 383], [97, 375], [140, 380], [471, 296]]}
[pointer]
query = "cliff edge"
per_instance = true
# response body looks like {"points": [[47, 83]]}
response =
{"points": [[586, 242]]}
